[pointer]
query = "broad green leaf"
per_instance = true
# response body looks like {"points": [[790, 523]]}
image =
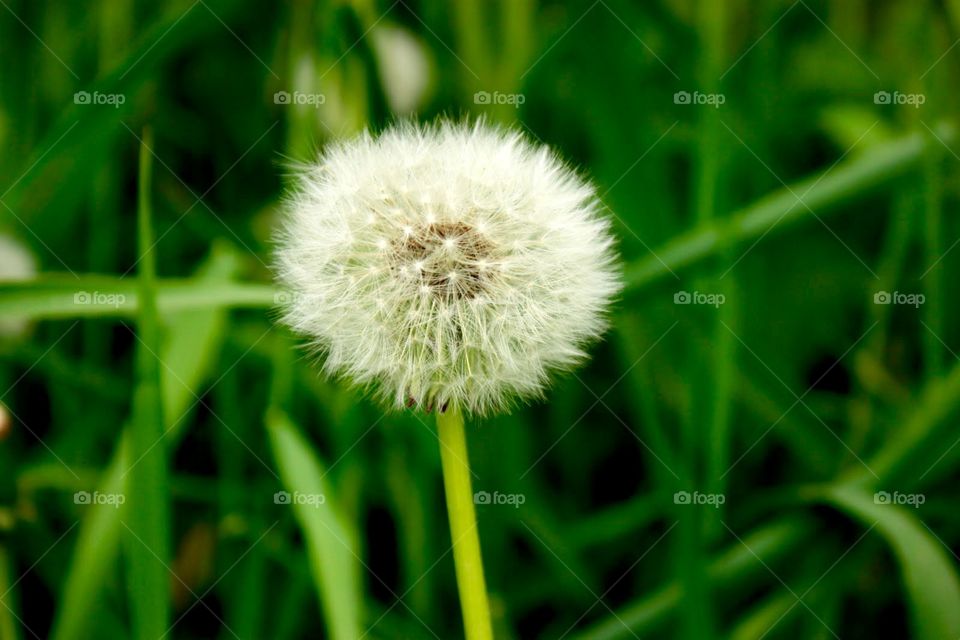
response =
{"points": [[191, 332], [194, 338], [929, 575], [330, 542]]}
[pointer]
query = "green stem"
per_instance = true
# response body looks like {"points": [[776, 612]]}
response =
{"points": [[148, 504], [933, 351], [302, 129], [463, 526], [717, 390], [472, 43], [50, 297], [896, 245]]}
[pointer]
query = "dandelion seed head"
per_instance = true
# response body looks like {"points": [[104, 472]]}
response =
{"points": [[459, 264]]}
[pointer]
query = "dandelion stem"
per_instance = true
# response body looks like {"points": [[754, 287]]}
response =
{"points": [[463, 526]]}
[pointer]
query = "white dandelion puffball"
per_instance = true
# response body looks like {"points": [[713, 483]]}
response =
{"points": [[447, 264]]}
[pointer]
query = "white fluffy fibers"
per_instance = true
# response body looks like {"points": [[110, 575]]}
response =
{"points": [[446, 264]]}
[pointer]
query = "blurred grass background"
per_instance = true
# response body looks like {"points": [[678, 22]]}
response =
{"points": [[782, 464]]}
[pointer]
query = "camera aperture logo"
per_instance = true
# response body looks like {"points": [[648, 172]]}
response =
{"points": [[512, 499], [714, 100], [698, 297], [310, 499], [114, 100], [299, 98], [110, 499], [99, 299], [895, 97], [711, 499], [485, 97], [910, 299], [904, 499]]}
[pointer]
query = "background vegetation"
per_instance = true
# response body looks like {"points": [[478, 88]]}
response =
{"points": [[776, 459]]}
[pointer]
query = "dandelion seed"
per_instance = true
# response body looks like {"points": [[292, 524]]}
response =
{"points": [[483, 259]]}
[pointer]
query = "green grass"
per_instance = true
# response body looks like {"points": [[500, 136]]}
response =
{"points": [[152, 365], [148, 546]]}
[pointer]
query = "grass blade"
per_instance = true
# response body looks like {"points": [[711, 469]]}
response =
{"points": [[916, 445], [330, 543], [770, 542], [148, 503], [849, 179], [189, 354], [929, 576], [56, 297]]}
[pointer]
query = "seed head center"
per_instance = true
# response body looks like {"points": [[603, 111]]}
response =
{"points": [[450, 259]]}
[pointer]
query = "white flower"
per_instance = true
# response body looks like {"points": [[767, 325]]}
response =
{"points": [[446, 264]]}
